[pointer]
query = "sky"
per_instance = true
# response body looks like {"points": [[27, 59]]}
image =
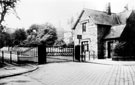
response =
{"points": [[58, 12]]}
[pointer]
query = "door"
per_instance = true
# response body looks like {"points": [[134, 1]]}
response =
{"points": [[109, 49], [85, 51]]}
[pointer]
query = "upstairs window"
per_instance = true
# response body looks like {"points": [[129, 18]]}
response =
{"points": [[84, 27]]}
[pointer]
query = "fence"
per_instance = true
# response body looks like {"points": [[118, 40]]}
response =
{"points": [[58, 51], [59, 54], [48, 54], [24, 55], [19, 56]]}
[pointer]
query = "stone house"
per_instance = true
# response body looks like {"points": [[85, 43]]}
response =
{"points": [[97, 32]]}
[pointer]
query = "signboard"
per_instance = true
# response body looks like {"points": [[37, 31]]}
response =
{"points": [[79, 36]]}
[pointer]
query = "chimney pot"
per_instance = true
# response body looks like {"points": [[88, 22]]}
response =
{"points": [[108, 9]]}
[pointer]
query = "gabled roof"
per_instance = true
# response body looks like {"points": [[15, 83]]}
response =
{"points": [[123, 16], [98, 17], [101, 17], [115, 31], [118, 21], [129, 31], [78, 19], [119, 30]]}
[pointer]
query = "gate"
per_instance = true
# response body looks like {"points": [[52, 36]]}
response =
{"points": [[59, 54]]}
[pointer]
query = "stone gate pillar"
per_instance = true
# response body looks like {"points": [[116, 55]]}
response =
{"points": [[77, 52], [41, 54]]}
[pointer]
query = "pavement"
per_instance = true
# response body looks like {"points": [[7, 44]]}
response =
{"points": [[12, 70], [111, 62]]}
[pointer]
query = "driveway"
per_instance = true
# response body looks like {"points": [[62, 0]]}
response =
{"points": [[73, 73]]}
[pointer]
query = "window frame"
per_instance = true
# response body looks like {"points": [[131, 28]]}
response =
{"points": [[84, 26]]}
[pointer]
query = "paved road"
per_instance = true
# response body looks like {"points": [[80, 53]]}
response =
{"points": [[76, 74]]}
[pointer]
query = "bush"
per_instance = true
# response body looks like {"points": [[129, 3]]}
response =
{"points": [[118, 51], [18, 36], [124, 49], [60, 43], [5, 39], [71, 44]]}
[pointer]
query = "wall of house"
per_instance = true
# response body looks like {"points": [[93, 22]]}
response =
{"points": [[90, 35], [102, 31], [95, 34], [77, 31], [78, 28]]}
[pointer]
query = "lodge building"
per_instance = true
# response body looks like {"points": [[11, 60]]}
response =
{"points": [[98, 32]]}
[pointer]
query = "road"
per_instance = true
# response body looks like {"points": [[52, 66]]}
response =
{"points": [[73, 73]]}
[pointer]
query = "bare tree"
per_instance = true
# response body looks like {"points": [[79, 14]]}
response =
{"points": [[5, 6]]}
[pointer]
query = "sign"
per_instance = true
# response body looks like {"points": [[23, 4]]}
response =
{"points": [[79, 36]]}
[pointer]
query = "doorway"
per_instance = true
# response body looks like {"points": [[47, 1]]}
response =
{"points": [[109, 44], [85, 51]]}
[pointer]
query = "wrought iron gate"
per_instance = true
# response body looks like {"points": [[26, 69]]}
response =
{"points": [[59, 54]]}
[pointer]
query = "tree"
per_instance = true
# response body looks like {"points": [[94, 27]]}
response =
{"points": [[60, 43], [71, 44], [33, 28], [5, 39], [5, 6], [19, 36], [45, 33], [48, 34]]}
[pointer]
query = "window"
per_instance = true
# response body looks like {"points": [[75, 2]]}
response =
{"points": [[84, 27]]}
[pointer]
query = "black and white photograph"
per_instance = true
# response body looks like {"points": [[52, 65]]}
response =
{"points": [[67, 42]]}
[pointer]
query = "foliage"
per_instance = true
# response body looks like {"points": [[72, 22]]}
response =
{"points": [[124, 49], [5, 39], [71, 44], [5, 6], [18, 36], [119, 48], [41, 34], [47, 33], [32, 28], [60, 43]]}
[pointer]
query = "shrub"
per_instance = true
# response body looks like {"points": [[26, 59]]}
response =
{"points": [[124, 49], [71, 44], [118, 50]]}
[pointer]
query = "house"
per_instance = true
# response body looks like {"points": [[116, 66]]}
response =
{"points": [[97, 32]]}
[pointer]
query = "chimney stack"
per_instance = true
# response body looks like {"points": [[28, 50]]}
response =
{"points": [[108, 8]]}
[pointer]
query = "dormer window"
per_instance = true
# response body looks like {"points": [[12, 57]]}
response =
{"points": [[84, 27]]}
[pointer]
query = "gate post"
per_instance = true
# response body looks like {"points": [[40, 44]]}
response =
{"points": [[2, 56], [77, 52], [41, 54]]}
